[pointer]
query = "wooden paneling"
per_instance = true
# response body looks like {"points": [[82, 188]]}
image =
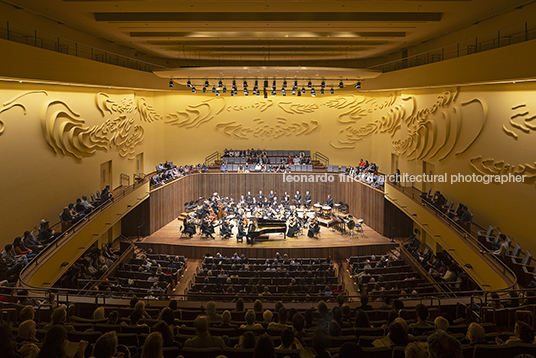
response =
{"points": [[337, 253], [397, 223], [140, 215], [167, 202]]}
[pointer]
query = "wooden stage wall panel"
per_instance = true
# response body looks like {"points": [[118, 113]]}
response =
{"points": [[337, 253], [167, 202]]}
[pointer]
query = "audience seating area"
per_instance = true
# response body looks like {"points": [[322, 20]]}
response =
{"points": [[492, 239], [338, 322], [383, 276], [280, 278]]}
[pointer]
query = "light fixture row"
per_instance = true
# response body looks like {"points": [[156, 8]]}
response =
{"points": [[266, 88]]}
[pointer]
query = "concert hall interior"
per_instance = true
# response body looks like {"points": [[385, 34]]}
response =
{"points": [[416, 119]]}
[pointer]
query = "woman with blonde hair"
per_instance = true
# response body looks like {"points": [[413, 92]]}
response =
{"points": [[99, 313], [153, 346]]}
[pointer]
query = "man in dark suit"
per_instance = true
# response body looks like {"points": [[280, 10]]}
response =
{"points": [[297, 197], [307, 199], [329, 202], [260, 196]]}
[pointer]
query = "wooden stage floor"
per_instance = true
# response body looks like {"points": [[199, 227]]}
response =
{"points": [[168, 240]]}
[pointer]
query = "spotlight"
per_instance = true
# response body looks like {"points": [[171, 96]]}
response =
{"points": [[256, 84], [245, 84], [171, 83], [234, 84], [254, 90], [193, 90], [246, 94], [220, 84], [188, 84], [303, 90], [206, 83], [358, 85], [284, 94], [235, 91], [322, 91], [213, 89], [313, 93], [309, 84], [341, 85], [204, 90], [273, 92], [224, 90], [323, 84], [296, 84], [331, 91], [285, 83], [258, 93]]}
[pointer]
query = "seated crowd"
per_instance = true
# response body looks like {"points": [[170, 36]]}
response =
{"points": [[146, 274], [89, 267], [280, 278], [334, 330], [367, 173], [168, 172]]}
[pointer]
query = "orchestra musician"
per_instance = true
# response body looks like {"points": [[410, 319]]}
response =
{"points": [[242, 225], [260, 196], [293, 226], [285, 200], [307, 199], [297, 197], [226, 229], [271, 196], [189, 226], [329, 202], [207, 227], [253, 226], [249, 198], [314, 228]]}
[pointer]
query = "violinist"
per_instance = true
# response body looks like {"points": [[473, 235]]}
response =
{"points": [[293, 226], [189, 226], [226, 229], [260, 196], [207, 227], [314, 228]]}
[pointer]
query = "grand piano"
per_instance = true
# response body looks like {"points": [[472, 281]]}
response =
{"points": [[261, 226]]}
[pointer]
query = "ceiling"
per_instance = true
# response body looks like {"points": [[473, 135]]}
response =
{"points": [[267, 33]]}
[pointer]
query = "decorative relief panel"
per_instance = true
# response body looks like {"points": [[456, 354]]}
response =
{"points": [[265, 130]]}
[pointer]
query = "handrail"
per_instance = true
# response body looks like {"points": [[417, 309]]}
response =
{"points": [[16, 32], [138, 177], [211, 158], [124, 178], [67, 234], [323, 159], [467, 236], [510, 35]]}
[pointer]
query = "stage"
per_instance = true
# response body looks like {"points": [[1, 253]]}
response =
{"points": [[330, 242]]}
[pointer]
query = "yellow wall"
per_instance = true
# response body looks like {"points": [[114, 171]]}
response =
{"points": [[37, 182]]}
